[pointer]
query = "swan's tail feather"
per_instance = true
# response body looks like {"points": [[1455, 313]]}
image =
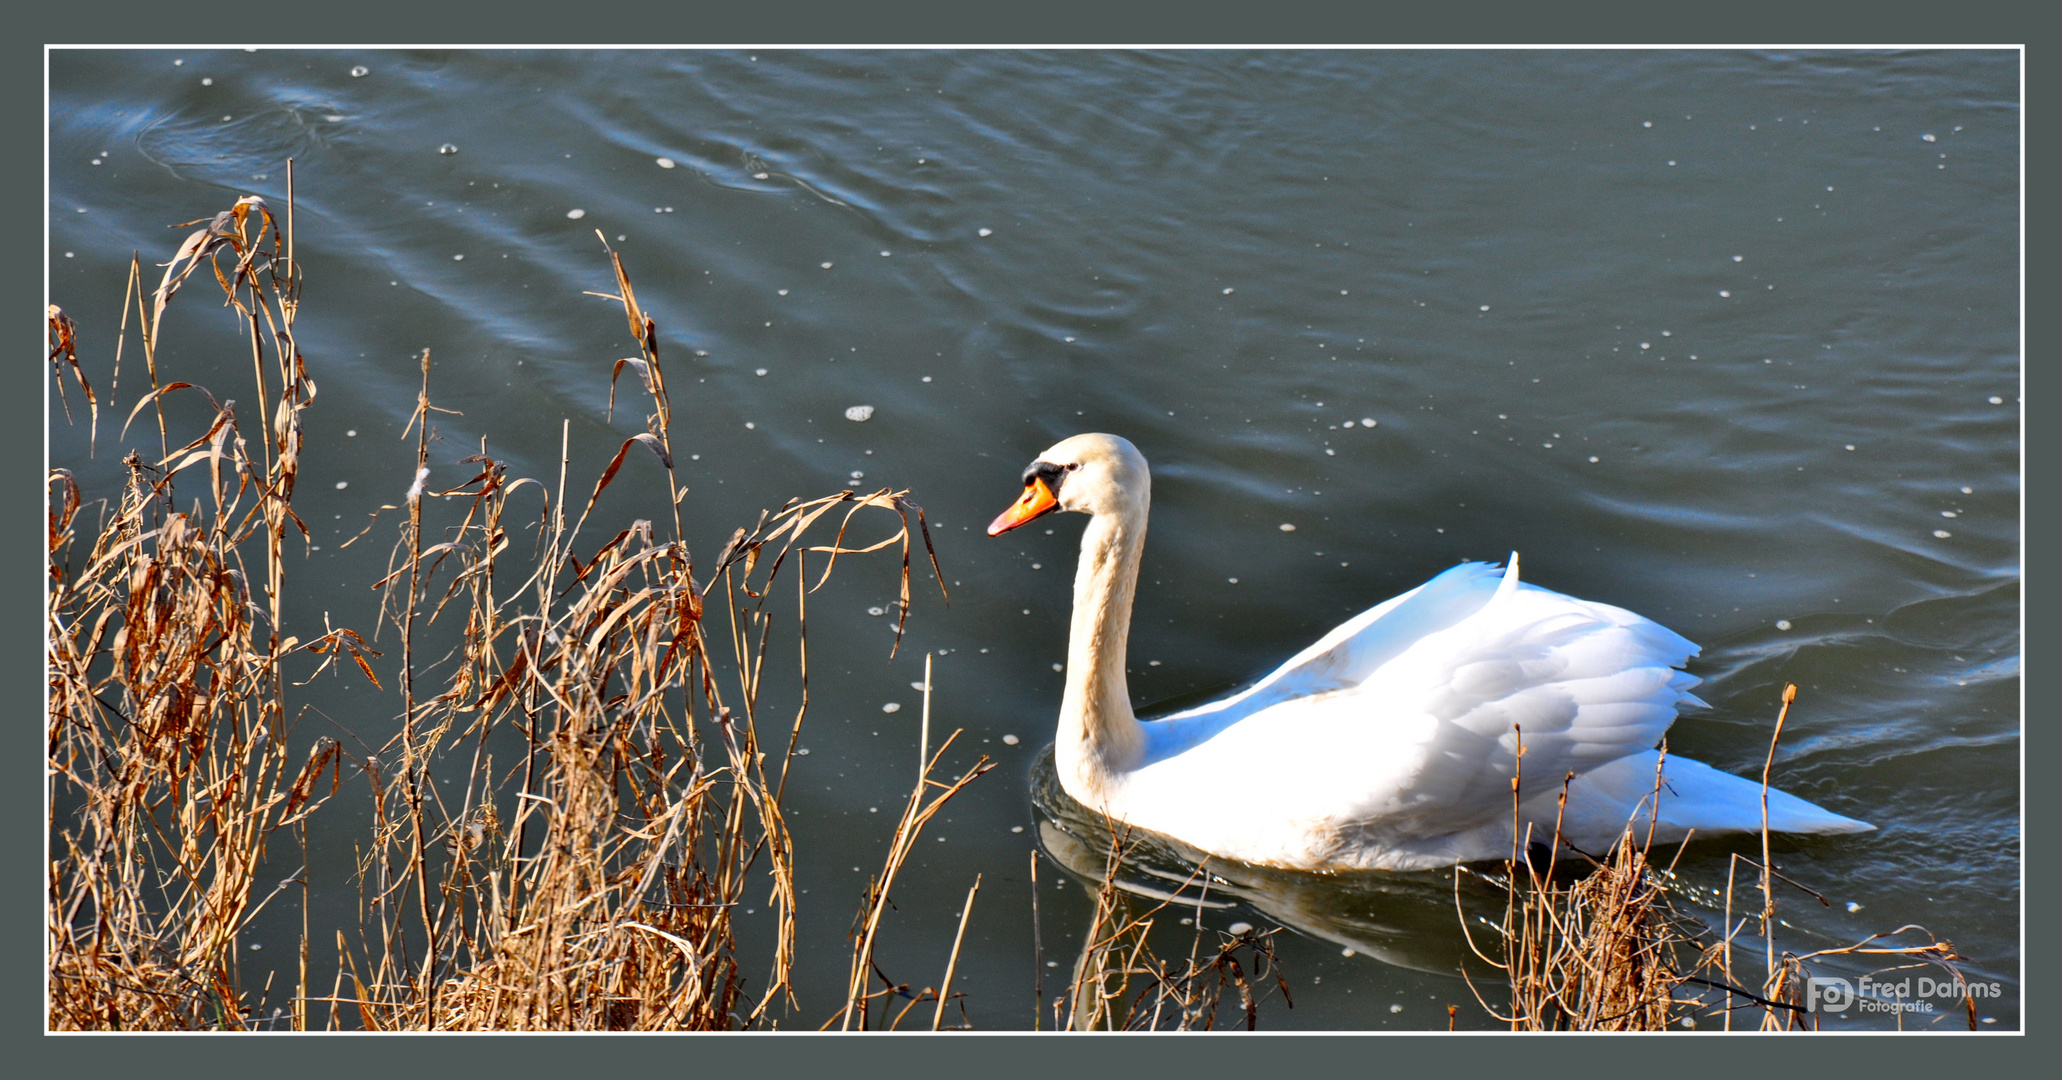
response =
{"points": [[1509, 584], [1694, 796]]}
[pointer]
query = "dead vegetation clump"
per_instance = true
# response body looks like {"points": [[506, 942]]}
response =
{"points": [[168, 751], [1607, 948], [617, 801]]}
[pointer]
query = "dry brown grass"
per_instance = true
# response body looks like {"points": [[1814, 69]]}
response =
{"points": [[588, 885]]}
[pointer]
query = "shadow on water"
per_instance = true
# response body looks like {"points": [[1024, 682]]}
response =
{"points": [[1403, 919]]}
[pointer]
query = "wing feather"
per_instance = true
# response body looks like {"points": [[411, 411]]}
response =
{"points": [[1424, 698]]}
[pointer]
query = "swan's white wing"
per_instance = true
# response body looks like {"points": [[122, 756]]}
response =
{"points": [[1400, 723], [1343, 658], [1581, 684]]}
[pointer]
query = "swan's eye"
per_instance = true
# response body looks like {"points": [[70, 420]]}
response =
{"points": [[1073, 465]]}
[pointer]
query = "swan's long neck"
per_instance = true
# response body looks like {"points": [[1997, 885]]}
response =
{"points": [[1099, 739]]}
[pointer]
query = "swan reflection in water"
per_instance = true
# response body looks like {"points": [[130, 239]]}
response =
{"points": [[1403, 918]]}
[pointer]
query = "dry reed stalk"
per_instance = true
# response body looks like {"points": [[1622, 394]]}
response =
{"points": [[1771, 986], [952, 964], [857, 1013], [1783, 1000], [591, 886]]}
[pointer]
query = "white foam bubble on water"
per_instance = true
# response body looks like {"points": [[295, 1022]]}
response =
{"points": [[1942, 534], [342, 484], [892, 706], [1010, 740], [987, 232], [826, 265], [448, 149], [576, 213], [358, 72], [1227, 291], [1782, 624], [859, 414], [664, 162], [1286, 527], [1928, 137]]}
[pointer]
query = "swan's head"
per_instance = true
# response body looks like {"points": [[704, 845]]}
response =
{"points": [[1088, 474]]}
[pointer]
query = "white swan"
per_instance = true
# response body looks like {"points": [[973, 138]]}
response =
{"points": [[1389, 744]]}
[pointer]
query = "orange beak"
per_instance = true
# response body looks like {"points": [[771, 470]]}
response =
{"points": [[1036, 502]]}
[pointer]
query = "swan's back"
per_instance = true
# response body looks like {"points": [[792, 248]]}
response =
{"points": [[1396, 729]]}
